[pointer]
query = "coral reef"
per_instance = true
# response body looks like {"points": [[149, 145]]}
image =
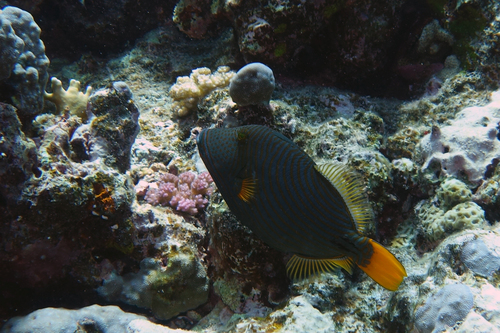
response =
{"points": [[70, 208], [356, 45], [476, 323], [453, 192], [23, 63], [77, 228]]}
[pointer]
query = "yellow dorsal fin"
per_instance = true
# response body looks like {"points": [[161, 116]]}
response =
{"points": [[384, 268], [299, 268], [350, 187], [248, 188]]}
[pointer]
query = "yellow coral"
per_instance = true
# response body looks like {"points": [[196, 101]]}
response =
{"points": [[188, 90], [72, 100]]}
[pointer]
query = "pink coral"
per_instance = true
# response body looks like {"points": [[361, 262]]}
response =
{"points": [[186, 193]]}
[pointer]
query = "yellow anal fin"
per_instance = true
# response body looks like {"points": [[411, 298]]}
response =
{"points": [[299, 268], [384, 268], [248, 188]]}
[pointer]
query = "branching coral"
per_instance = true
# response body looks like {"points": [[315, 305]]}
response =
{"points": [[72, 100], [188, 90], [186, 192]]}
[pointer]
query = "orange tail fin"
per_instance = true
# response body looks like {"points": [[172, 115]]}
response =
{"points": [[384, 268]]}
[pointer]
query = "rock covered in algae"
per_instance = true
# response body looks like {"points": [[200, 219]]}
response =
{"points": [[114, 124], [172, 277], [18, 155], [69, 209], [72, 206], [248, 275], [180, 285]]}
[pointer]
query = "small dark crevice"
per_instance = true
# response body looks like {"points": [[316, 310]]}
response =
{"points": [[490, 168]]}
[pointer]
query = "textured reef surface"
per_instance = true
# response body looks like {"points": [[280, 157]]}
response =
{"points": [[111, 223]]}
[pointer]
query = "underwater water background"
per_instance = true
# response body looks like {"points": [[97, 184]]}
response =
{"points": [[110, 221]]}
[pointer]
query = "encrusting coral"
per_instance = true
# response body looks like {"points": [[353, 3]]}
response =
{"points": [[188, 90], [72, 99]]}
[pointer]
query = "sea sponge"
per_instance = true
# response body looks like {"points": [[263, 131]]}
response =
{"points": [[253, 84], [72, 100], [188, 90], [448, 306]]}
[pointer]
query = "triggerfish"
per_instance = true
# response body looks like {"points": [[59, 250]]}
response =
{"points": [[316, 212]]}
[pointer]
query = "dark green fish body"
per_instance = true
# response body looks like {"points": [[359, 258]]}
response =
{"points": [[292, 204]]}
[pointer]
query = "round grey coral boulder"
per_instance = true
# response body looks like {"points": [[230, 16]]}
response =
{"points": [[253, 84]]}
